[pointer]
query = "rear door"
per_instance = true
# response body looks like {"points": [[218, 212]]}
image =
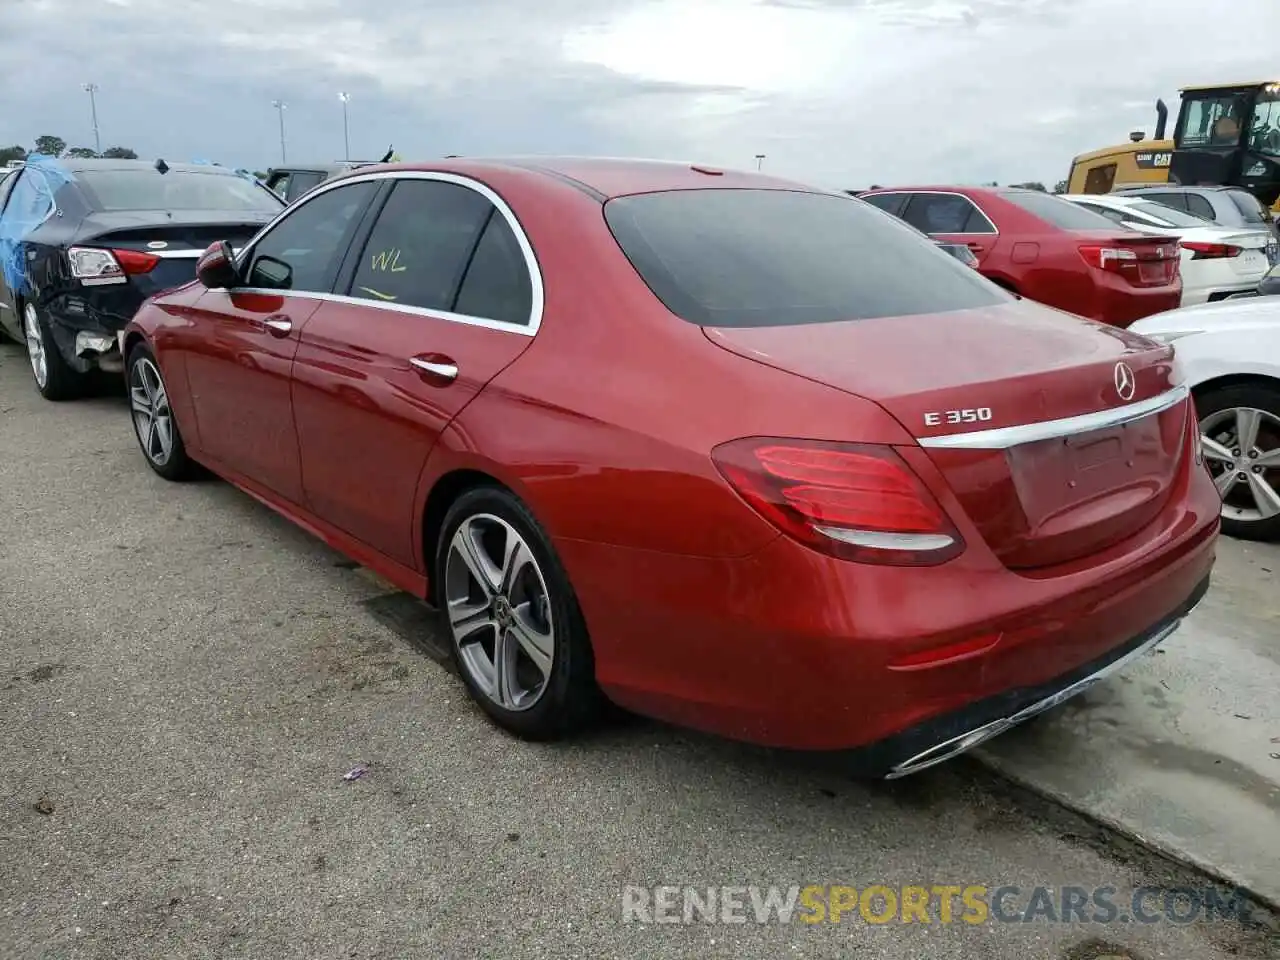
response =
{"points": [[441, 295], [240, 352], [954, 218]]}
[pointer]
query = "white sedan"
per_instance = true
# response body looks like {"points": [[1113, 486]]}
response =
{"points": [[1229, 354], [1217, 261]]}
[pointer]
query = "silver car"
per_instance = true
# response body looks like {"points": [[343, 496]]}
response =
{"points": [[1228, 206]]}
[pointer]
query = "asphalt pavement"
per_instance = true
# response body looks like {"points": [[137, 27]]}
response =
{"points": [[185, 679]]}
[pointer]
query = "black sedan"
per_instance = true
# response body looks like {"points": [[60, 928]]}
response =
{"points": [[84, 242]]}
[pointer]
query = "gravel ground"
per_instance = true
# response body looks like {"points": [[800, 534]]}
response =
{"points": [[185, 678]]}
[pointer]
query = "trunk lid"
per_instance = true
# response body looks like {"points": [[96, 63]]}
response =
{"points": [[1036, 501], [177, 238]]}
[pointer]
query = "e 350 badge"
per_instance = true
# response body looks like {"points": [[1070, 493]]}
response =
{"points": [[969, 415]]}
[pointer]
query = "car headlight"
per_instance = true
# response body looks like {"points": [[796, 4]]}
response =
{"points": [[1172, 336]]}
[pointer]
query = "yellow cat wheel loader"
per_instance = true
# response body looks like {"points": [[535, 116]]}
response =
{"points": [[1224, 135]]}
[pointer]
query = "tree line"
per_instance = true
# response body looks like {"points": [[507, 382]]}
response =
{"points": [[51, 146]]}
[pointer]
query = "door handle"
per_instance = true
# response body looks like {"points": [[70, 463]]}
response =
{"points": [[975, 247], [446, 371], [278, 326]]}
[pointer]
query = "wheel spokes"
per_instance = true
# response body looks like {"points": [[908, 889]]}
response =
{"points": [[1213, 450], [1265, 496], [1247, 422], [538, 644], [498, 607]]}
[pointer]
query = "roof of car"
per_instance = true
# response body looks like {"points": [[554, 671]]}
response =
{"points": [[91, 164], [1177, 188], [606, 177]]}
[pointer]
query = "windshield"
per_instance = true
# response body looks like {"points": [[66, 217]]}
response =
{"points": [[148, 189], [1168, 215], [1212, 120], [1264, 136], [760, 258]]}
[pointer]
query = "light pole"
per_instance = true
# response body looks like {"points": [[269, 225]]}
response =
{"points": [[92, 90], [280, 107], [759, 161], [346, 135]]}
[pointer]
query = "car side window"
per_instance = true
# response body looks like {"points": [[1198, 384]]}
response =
{"points": [[419, 248], [888, 202], [1176, 200], [1200, 206], [303, 251], [945, 213], [497, 285]]}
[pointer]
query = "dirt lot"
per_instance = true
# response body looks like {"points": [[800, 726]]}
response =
{"points": [[185, 679]]}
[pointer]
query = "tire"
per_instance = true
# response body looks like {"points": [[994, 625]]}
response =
{"points": [[53, 376], [538, 703], [153, 418], [1245, 503]]}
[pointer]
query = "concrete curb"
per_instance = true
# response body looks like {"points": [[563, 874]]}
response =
{"points": [[1168, 850]]}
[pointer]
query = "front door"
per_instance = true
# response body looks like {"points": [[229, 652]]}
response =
{"points": [[439, 300], [239, 365]]}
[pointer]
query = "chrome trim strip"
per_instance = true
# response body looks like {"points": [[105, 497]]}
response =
{"points": [[967, 741], [175, 254], [380, 305], [526, 248], [1001, 438]]}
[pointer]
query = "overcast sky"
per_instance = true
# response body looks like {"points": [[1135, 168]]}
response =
{"points": [[842, 93]]}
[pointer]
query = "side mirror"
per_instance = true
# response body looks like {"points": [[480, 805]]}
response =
{"points": [[216, 268]]}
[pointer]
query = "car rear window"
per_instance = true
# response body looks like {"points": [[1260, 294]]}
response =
{"points": [[148, 189], [1248, 206], [1169, 215], [1057, 212], [763, 258]]}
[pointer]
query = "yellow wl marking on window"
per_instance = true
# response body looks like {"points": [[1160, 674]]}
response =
{"points": [[388, 260]]}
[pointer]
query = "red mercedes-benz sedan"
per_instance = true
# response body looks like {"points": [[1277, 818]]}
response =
{"points": [[726, 450], [1047, 249]]}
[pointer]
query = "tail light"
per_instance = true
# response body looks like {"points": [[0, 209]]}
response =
{"points": [[857, 502], [1148, 265], [1210, 251], [95, 266]]}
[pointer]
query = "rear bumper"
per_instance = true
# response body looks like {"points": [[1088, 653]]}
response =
{"points": [[790, 649], [1119, 304], [952, 734], [85, 325]]}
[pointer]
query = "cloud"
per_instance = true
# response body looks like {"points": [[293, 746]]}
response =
{"points": [[841, 92]]}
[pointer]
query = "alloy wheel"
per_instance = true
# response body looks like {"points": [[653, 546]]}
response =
{"points": [[1242, 449], [35, 345], [499, 612], [152, 418]]}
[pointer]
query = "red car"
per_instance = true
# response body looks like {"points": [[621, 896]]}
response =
{"points": [[723, 449], [1047, 249]]}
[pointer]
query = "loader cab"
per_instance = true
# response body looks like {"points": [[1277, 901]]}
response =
{"points": [[1229, 135]]}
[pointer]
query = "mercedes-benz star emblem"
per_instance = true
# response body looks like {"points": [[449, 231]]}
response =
{"points": [[1125, 382]]}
